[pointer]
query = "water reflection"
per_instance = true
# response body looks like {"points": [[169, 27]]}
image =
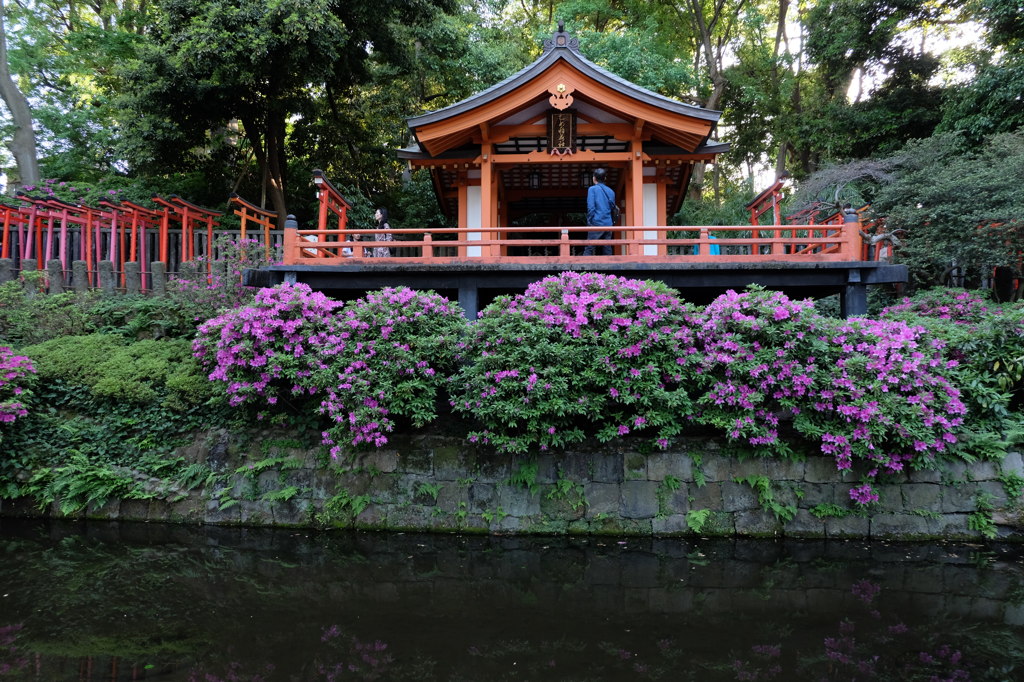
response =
{"points": [[136, 601]]}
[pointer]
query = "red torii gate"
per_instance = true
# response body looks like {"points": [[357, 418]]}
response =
{"points": [[46, 228]]}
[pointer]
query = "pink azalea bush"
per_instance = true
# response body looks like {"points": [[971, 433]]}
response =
{"points": [[986, 341], [366, 362], [391, 354], [760, 359], [956, 305], [14, 373], [874, 393], [268, 350], [887, 401], [578, 355]]}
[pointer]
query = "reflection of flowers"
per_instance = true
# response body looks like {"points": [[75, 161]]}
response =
{"points": [[11, 660], [863, 647], [367, 660]]}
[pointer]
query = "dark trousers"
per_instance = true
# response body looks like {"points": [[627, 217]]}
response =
{"points": [[594, 235]]}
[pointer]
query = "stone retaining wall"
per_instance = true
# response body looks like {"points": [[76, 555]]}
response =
{"points": [[439, 484]]}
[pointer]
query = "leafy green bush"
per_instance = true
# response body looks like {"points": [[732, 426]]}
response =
{"points": [[25, 320], [110, 368]]}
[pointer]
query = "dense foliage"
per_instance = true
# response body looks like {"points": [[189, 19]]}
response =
{"points": [[590, 356]]}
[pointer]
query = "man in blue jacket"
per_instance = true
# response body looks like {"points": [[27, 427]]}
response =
{"points": [[600, 200]]}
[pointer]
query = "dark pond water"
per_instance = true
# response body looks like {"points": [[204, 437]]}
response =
{"points": [[121, 602]]}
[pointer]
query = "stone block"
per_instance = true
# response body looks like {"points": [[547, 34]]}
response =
{"points": [[925, 476], [785, 469], [717, 468], [890, 498], [924, 496], [756, 522], [448, 463], [576, 466], [886, 525], [954, 471], [605, 468], [639, 499], [518, 501], [373, 517], [738, 496], [384, 461], [708, 496], [1013, 463], [602, 498], [1013, 614], [995, 491], [818, 493], [821, 470], [663, 464], [742, 468], [547, 469], [135, 510], [483, 496], [294, 512], [952, 527], [983, 471], [557, 507], [416, 460], [805, 524], [410, 518], [111, 509], [959, 498], [634, 467], [847, 527], [450, 496], [253, 513], [674, 501], [673, 524]]}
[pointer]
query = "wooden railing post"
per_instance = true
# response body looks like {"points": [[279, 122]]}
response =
{"points": [[564, 245], [291, 252], [428, 246], [851, 234]]}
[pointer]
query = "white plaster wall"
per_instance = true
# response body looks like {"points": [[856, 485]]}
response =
{"points": [[474, 218], [650, 198]]}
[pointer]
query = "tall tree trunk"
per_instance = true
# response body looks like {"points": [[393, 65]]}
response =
{"points": [[712, 37], [23, 144], [274, 136], [268, 149]]}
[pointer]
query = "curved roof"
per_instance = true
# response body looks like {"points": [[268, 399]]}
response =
{"points": [[562, 47]]}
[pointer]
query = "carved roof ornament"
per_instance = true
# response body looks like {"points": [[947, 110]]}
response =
{"points": [[561, 96], [561, 39]]}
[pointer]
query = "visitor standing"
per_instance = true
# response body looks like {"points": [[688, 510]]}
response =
{"points": [[600, 207], [383, 234]]}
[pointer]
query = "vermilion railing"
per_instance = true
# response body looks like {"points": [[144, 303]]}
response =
{"points": [[720, 244]]}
